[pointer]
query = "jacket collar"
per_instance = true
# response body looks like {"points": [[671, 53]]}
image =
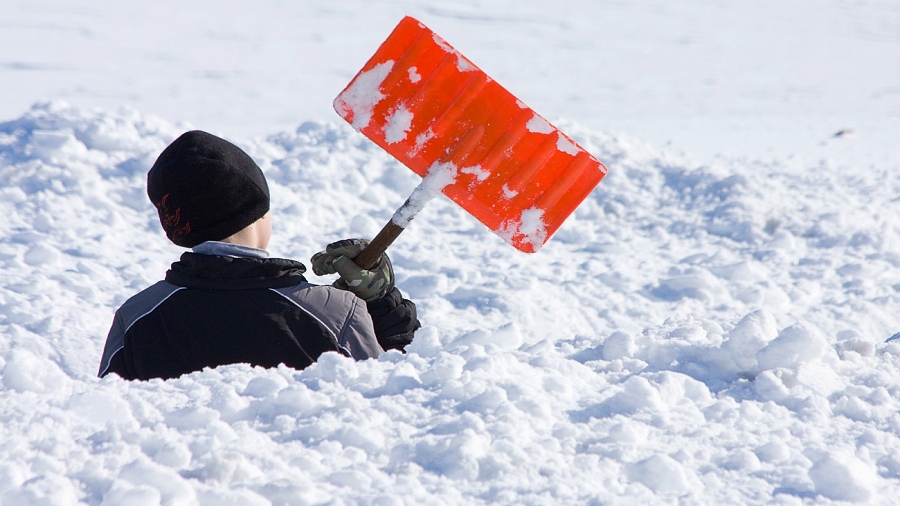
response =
{"points": [[216, 272], [227, 249]]}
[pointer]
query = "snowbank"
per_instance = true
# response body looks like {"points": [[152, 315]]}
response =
{"points": [[694, 333]]}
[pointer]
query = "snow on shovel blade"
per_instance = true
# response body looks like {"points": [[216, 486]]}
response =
{"points": [[433, 109]]}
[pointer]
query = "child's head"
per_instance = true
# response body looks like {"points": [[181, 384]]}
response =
{"points": [[206, 189]]}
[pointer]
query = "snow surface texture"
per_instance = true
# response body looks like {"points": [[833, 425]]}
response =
{"points": [[701, 333]]}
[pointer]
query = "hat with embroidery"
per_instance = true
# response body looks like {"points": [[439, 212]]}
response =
{"points": [[206, 189]]}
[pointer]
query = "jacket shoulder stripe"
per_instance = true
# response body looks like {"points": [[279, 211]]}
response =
{"points": [[313, 316], [133, 310], [135, 320]]}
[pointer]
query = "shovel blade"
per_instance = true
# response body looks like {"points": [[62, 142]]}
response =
{"points": [[428, 106]]}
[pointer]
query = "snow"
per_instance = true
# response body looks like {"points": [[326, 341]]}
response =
{"points": [[439, 176], [539, 125], [707, 328], [476, 170], [530, 224], [398, 125], [462, 63], [361, 97], [842, 477], [414, 76], [565, 145]]}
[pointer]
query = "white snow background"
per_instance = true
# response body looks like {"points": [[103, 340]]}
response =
{"points": [[707, 328]]}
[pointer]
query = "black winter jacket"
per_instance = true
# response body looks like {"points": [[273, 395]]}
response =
{"points": [[215, 310]]}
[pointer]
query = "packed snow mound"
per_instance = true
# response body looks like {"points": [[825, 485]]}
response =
{"points": [[702, 333]]}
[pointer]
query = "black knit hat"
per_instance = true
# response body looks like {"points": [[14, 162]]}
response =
{"points": [[206, 189]]}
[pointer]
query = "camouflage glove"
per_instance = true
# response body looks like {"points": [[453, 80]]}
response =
{"points": [[367, 284]]}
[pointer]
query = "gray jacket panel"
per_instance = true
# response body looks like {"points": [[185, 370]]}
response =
{"points": [[342, 312], [135, 308]]}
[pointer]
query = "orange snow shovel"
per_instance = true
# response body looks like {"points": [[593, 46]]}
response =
{"points": [[444, 118]]}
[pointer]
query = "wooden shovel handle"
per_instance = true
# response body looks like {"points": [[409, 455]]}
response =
{"points": [[419, 197], [367, 257]]}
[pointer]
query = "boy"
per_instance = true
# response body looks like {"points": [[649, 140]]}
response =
{"points": [[226, 301]]}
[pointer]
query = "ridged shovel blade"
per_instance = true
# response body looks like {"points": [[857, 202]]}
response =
{"points": [[428, 105]]}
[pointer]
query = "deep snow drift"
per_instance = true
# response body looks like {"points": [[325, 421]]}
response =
{"points": [[698, 333]]}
